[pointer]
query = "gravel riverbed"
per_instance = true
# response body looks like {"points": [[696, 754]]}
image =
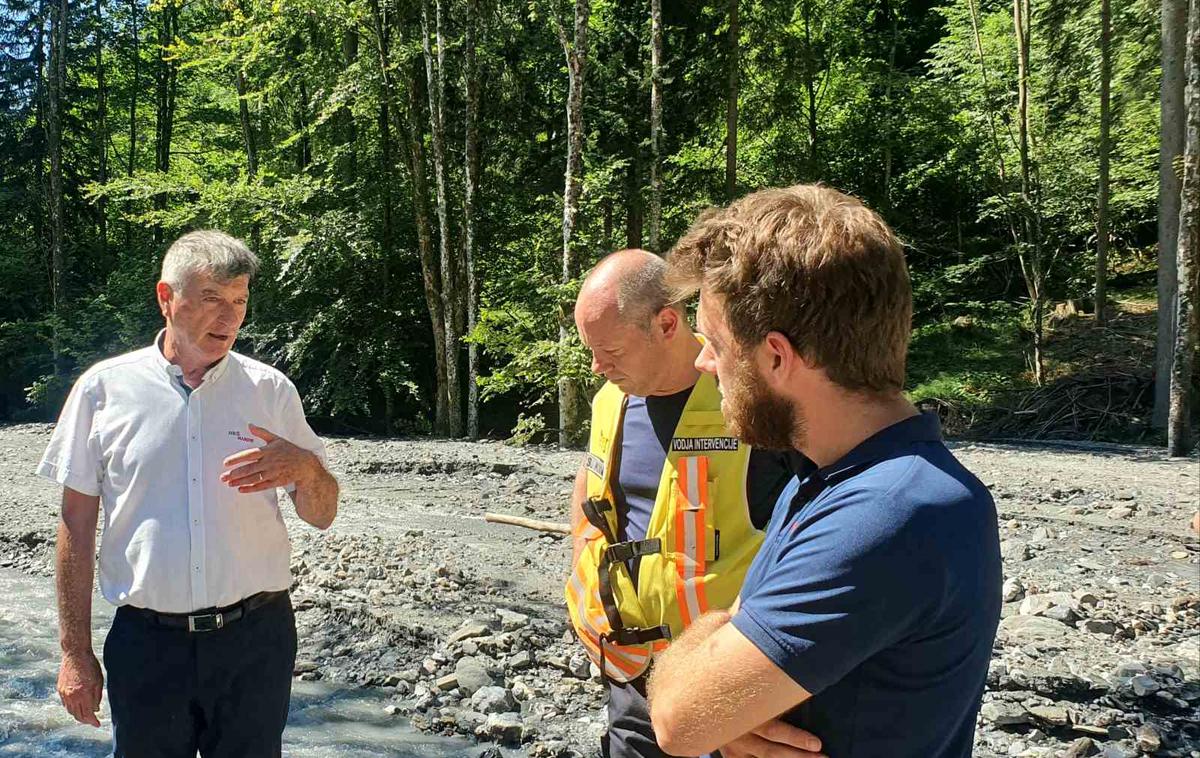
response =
{"points": [[461, 622]]}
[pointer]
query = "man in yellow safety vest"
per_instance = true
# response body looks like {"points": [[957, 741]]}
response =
{"points": [[668, 505]]}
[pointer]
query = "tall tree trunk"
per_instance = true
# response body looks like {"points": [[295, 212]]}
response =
{"points": [[414, 151], [165, 104], [131, 161], [889, 117], [470, 192], [59, 18], [656, 83], [1179, 428], [1105, 147], [386, 237], [571, 401], [101, 133], [606, 212], [347, 167], [731, 103], [810, 85], [304, 144], [40, 116], [430, 270], [1029, 248], [451, 296], [635, 206], [1170, 139], [248, 140]]}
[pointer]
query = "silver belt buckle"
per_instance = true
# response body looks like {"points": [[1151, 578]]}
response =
{"points": [[209, 622]]}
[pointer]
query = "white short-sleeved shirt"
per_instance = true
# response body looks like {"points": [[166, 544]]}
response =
{"points": [[176, 539]]}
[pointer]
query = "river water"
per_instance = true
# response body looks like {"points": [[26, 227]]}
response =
{"points": [[325, 720]]}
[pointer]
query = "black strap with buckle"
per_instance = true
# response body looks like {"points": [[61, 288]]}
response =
{"points": [[210, 621], [593, 511], [627, 551]]}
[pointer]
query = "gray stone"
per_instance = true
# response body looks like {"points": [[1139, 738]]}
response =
{"points": [[1038, 605], [521, 660], [1000, 713], [1011, 550], [468, 630], [1086, 597], [1117, 750], [1062, 614], [492, 699], [1013, 590], [1055, 715], [472, 675], [523, 692], [465, 721], [1081, 748], [510, 621], [1128, 670], [1156, 580], [1119, 513], [1148, 738], [505, 728], [304, 667], [1099, 626], [581, 667], [1029, 628], [1143, 685]]}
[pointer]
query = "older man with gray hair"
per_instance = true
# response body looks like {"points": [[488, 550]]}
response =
{"points": [[184, 443]]}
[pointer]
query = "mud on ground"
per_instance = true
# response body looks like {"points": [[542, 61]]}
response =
{"points": [[462, 621]]}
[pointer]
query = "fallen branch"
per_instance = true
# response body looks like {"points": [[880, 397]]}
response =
{"points": [[528, 523]]}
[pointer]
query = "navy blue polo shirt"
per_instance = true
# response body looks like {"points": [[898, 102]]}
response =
{"points": [[878, 591]]}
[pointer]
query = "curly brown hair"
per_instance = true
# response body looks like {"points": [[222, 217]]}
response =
{"points": [[811, 263]]}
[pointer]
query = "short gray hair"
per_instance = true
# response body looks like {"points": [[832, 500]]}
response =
{"points": [[643, 292], [207, 251]]}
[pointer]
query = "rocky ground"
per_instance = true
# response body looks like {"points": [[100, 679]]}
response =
{"points": [[462, 623]]}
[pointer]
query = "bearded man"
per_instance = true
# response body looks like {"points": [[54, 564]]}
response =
{"points": [[868, 615]]}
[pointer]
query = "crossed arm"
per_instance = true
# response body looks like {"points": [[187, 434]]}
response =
{"points": [[713, 687]]}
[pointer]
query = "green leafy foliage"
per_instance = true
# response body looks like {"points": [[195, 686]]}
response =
{"points": [[893, 102]]}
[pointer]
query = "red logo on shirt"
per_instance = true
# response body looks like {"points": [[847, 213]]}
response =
{"points": [[241, 437]]}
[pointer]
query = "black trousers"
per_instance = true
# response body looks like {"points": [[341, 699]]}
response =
{"points": [[223, 693], [630, 734]]}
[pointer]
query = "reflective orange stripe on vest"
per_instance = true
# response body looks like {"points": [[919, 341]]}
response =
{"points": [[622, 664], [690, 546]]}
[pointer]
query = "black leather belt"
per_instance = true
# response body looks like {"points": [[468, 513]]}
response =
{"points": [[210, 620]]}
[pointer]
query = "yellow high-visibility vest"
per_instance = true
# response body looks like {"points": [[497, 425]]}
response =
{"points": [[697, 548]]}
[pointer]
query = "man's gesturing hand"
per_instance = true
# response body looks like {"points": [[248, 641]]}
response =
{"points": [[774, 739], [80, 686], [276, 464]]}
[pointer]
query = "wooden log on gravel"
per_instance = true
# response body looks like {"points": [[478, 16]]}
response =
{"points": [[528, 523]]}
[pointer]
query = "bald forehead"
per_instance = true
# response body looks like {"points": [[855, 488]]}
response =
{"points": [[629, 282]]}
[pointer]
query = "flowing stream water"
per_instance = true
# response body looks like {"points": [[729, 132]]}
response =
{"points": [[324, 721]]}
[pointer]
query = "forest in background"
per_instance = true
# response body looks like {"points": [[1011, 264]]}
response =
{"points": [[425, 181]]}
